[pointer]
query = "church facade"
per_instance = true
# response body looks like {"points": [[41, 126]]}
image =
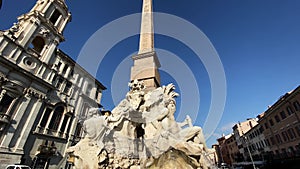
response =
{"points": [[44, 94]]}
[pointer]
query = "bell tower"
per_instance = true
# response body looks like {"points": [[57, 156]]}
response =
{"points": [[41, 30], [146, 63]]}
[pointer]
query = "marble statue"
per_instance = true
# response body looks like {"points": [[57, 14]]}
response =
{"points": [[138, 133]]}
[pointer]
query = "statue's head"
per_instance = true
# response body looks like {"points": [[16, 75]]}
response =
{"points": [[136, 85]]}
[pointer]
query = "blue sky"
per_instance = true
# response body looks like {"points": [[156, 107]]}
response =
{"points": [[258, 43]]}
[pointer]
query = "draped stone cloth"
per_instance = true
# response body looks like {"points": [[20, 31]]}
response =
{"points": [[95, 129]]}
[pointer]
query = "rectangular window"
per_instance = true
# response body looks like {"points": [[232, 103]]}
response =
{"points": [[261, 129], [45, 117], [58, 65], [65, 69], [261, 144], [296, 105], [54, 17], [267, 143], [298, 130], [68, 88], [71, 73], [289, 110], [266, 125], [283, 115], [58, 83], [291, 133], [272, 140], [5, 103], [285, 136], [278, 138], [277, 118], [271, 122]]}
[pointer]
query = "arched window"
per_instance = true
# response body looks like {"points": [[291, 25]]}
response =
{"points": [[38, 44], [56, 118]]}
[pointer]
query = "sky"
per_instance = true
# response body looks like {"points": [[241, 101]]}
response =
{"points": [[257, 43]]}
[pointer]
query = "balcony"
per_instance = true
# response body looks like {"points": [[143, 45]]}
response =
{"points": [[50, 132], [47, 150]]}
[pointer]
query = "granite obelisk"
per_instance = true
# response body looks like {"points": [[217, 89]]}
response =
{"points": [[146, 63]]}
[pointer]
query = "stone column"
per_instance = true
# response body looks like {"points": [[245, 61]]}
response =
{"points": [[48, 122], [46, 8], [58, 21], [29, 30], [61, 67], [12, 104], [68, 72], [67, 126], [60, 124], [2, 94], [63, 25], [8, 141], [51, 49], [31, 115]]}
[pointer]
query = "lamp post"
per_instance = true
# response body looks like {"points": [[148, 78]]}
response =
{"points": [[221, 154], [245, 138]]}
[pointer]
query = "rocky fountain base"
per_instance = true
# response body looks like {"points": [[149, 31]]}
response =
{"points": [[141, 132]]}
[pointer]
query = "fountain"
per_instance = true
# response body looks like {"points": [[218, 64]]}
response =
{"points": [[141, 132]]}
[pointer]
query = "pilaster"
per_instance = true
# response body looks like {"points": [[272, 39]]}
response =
{"points": [[26, 129]]}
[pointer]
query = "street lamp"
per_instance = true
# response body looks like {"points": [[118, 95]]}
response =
{"points": [[245, 138]]}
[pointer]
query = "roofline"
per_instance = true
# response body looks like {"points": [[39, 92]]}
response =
{"points": [[81, 68], [279, 101]]}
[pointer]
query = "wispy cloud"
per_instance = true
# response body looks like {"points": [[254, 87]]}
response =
{"points": [[227, 128]]}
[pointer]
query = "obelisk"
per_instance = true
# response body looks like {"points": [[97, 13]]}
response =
{"points": [[146, 63]]}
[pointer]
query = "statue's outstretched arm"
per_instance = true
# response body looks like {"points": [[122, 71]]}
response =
{"points": [[187, 121]]}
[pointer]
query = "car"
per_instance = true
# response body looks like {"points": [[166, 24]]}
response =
{"points": [[224, 166], [17, 166]]}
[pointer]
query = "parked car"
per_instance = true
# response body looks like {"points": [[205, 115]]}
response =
{"points": [[17, 166], [224, 166]]}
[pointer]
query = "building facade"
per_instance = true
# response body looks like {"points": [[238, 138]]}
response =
{"points": [[223, 150], [44, 94], [239, 130], [281, 126], [272, 139], [256, 145]]}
